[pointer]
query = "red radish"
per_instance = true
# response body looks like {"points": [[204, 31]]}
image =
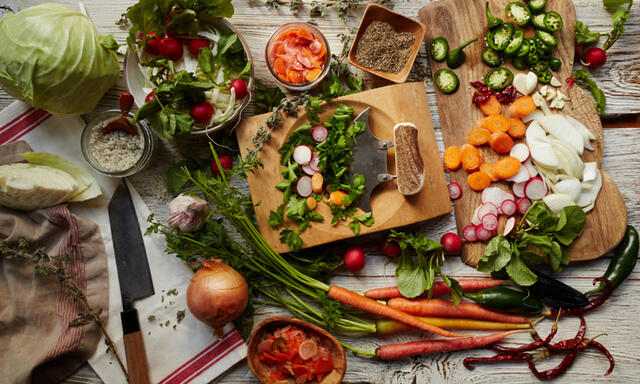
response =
{"points": [[150, 96], [518, 189], [201, 113], [487, 209], [530, 168], [195, 45], [520, 151], [315, 159], [391, 248], [308, 170], [579, 51], [302, 154], [354, 259], [452, 243], [482, 234], [508, 226], [304, 187], [151, 45], [455, 190], [508, 207], [523, 205], [319, 133], [595, 57], [225, 161], [240, 88], [475, 220], [307, 349], [469, 233], [535, 189], [521, 176], [170, 48], [490, 222], [495, 196]]}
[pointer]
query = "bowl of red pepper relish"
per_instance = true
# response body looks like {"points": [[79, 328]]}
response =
{"points": [[298, 56], [285, 349]]}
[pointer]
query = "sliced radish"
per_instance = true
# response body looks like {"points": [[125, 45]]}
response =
{"points": [[469, 233], [302, 154], [523, 205], [533, 171], [303, 186], [535, 189], [315, 159], [307, 349], [482, 234], [490, 222], [308, 170], [475, 220], [487, 209], [455, 190], [493, 195], [508, 226], [521, 176], [508, 207], [520, 151], [518, 189], [319, 133]]}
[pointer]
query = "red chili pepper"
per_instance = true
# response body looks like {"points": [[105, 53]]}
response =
{"points": [[593, 304], [605, 351], [508, 95], [126, 102], [530, 347], [502, 357], [570, 82], [563, 366]]}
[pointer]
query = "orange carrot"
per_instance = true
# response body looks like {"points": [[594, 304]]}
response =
{"points": [[491, 106], [471, 158], [452, 158], [355, 300], [497, 123], [482, 123], [488, 169], [312, 74], [478, 137], [335, 197], [478, 180], [439, 287], [423, 347], [516, 128], [501, 142], [522, 106], [442, 308], [387, 327], [506, 167]]}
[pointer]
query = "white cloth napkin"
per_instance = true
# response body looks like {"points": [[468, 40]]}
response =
{"points": [[177, 352]]}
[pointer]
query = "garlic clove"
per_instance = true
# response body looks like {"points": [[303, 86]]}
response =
{"points": [[555, 82], [532, 82], [187, 212]]}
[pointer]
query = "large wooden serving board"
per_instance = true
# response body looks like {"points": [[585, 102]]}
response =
{"points": [[389, 105], [461, 20]]}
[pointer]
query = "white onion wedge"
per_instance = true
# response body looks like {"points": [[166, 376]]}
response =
{"points": [[560, 128], [557, 201], [535, 132], [508, 226], [589, 194], [590, 171], [535, 115], [543, 154], [584, 131], [571, 187]]}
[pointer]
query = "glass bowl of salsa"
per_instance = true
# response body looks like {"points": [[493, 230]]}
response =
{"points": [[298, 56]]}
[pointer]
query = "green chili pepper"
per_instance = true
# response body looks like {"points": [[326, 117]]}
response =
{"points": [[548, 38], [457, 57], [553, 21], [538, 21], [499, 78], [558, 293], [539, 66], [491, 57], [537, 6], [555, 63], [499, 38], [519, 63], [519, 13], [505, 299], [492, 21], [446, 81], [623, 262], [439, 48], [516, 42], [544, 77], [524, 49]]}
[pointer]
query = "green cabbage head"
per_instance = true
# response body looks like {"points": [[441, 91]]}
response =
{"points": [[52, 58]]}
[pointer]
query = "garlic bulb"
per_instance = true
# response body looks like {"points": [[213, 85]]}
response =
{"points": [[187, 212]]}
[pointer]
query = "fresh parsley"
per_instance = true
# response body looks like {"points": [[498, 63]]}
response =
{"points": [[581, 77], [266, 98], [583, 35]]}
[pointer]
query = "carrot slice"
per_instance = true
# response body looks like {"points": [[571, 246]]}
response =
{"points": [[478, 180], [497, 123], [522, 106], [295, 77], [517, 129], [482, 123], [478, 136], [305, 35], [488, 169], [506, 167], [500, 142], [471, 158], [452, 158], [280, 66], [312, 74], [491, 106]]}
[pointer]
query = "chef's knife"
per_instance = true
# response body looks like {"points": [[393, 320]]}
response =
{"points": [[134, 277]]}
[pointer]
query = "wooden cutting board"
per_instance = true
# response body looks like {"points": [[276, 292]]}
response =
{"points": [[389, 105], [461, 20]]}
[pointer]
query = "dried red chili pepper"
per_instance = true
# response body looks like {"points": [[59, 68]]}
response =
{"points": [[508, 95], [567, 344], [530, 347], [593, 304], [605, 351], [564, 364], [467, 362]]}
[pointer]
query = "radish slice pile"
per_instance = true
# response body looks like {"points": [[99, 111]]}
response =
{"points": [[304, 187], [523, 205], [455, 190], [508, 207], [535, 188], [319, 133], [469, 233], [302, 154]]}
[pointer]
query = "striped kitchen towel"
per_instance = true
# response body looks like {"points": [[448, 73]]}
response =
{"points": [[180, 349]]}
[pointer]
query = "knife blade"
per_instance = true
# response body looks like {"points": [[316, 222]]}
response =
{"points": [[134, 277]]}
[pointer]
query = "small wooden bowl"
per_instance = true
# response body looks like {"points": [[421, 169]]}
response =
{"points": [[400, 23], [262, 372]]}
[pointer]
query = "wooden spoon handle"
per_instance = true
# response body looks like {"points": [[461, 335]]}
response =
{"points": [[409, 165]]}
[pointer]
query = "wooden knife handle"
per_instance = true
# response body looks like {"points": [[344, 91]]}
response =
{"points": [[409, 165], [137, 366]]}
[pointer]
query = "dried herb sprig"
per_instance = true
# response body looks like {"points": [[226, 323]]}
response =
{"points": [[47, 265], [318, 8]]}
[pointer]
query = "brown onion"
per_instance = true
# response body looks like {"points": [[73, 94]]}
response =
{"points": [[217, 294]]}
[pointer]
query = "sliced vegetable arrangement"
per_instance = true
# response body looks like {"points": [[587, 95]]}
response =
{"points": [[297, 56]]}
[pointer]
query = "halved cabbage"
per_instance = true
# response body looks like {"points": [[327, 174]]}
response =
{"points": [[27, 186]]}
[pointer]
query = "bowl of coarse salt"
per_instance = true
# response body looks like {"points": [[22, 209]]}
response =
{"points": [[116, 153]]}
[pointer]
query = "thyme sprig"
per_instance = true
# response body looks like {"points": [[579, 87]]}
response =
{"points": [[318, 8]]}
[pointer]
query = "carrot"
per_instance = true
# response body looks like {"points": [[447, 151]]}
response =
{"points": [[439, 287], [516, 128], [482, 123], [312, 74], [506, 167], [452, 158], [355, 300], [294, 77], [478, 180], [501, 142], [387, 327], [442, 308], [335, 197], [491, 106], [488, 169], [497, 123], [478, 137], [423, 347], [471, 158], [523, 106]]}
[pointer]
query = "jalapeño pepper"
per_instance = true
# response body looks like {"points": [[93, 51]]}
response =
{"points": [[491, 57], [544, 77], [516, 42], [439, 49], [537, 6], [446, 81], [499, 38], [505, 299], [623, 261], [557, 293], [457, 57], [553, 21], [492, 21], [519, 13]]}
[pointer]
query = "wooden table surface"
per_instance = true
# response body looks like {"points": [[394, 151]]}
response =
{"points": [[620, 80]]}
